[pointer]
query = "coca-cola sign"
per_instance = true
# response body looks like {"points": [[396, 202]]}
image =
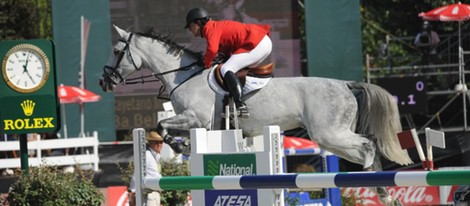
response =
{"points": [[413, 195]]}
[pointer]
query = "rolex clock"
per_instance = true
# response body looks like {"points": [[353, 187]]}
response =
{"points": [[25, 68]]}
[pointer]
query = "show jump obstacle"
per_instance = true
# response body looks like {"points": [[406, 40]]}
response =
{"points": [[204, 188]]}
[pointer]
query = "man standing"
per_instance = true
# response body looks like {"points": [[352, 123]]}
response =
{"points": [[427, 41], [152, 168]]}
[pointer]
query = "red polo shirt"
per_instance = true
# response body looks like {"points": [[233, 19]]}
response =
{"points": [[231, 37]]}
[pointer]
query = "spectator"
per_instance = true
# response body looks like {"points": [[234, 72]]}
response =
{"points": [[152, 168], [427, 41]]}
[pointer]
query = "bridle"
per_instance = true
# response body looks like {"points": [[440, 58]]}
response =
{"points": [[111, 71]]}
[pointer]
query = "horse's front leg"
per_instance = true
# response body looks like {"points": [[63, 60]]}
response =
{"points": [[178, 125]]}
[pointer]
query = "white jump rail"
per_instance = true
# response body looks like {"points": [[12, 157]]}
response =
{"points": [[40, 145]]}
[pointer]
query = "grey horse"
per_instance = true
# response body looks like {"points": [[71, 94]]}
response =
{"points": [[359, 130]]}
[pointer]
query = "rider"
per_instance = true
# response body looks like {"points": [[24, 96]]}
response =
{"points": [[247, 45]]}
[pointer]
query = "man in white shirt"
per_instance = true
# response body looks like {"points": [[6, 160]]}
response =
{"points": [[153, 167]]}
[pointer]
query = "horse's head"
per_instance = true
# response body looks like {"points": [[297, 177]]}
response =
{"points": [[121, 63]]}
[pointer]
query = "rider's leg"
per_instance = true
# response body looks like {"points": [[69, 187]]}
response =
{"points": [[239, 61], [235, 89]]}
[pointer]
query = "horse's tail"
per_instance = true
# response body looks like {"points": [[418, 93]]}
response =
{"points": [[378, 115]]}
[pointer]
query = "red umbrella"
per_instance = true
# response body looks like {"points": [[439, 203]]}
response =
{"points": [[71, 94], [453, 12]]}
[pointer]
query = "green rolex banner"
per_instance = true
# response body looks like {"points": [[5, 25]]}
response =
{"points": [[28, 87]]}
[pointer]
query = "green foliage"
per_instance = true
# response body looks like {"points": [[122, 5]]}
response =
{"points": [[126, 172], [25, 19], [50, 186], [350, 199], [170, 168], [396, 19]]}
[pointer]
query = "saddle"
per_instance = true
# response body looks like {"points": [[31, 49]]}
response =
{"points": [[263, 71]]}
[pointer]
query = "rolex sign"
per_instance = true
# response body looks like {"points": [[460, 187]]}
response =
{"points": [[28, 87]]}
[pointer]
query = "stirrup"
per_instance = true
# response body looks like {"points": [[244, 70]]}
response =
{"points": [[243, 112]]}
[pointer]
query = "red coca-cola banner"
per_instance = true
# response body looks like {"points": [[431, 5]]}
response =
{"points": [[414, 195], [116, 196]]}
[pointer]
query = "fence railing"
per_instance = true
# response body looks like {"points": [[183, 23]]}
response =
{"points": [[85, 157]]}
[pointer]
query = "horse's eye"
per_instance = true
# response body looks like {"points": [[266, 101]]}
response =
{"points": [[116, 52]]}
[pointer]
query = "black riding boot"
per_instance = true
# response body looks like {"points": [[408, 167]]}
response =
{"points": [[235, 89]]}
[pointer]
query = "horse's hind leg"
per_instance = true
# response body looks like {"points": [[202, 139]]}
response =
{"points": [[348, 145], [183, 122], [362, 150]]}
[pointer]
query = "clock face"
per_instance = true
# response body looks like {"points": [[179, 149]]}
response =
{"points": [[25, 68]]}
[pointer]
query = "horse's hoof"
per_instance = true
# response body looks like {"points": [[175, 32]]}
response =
{"points": [[175, 145]]}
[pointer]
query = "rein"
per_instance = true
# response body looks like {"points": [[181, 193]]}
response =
{"points": [[157, 75], [112, 70]]}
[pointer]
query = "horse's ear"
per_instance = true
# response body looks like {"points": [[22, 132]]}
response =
{"points": [[121, 32]]}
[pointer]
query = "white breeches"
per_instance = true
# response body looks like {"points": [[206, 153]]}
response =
{"points": [[252, 58]]}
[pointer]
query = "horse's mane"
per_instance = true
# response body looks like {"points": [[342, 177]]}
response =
{"points": [[165, 38]]}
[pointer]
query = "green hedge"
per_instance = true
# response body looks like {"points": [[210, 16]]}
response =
{"points": [[46, 186]]}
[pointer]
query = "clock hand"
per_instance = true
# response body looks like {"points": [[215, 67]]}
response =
{"points": [[25, 66], [30, 77]]}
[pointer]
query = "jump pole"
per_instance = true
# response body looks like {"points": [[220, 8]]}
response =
{"points": [[280, 181], [310, 181]]}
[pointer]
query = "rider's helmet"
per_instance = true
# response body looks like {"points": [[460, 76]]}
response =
{"points": [[196, 14]]}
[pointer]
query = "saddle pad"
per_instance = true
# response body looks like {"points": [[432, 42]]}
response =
{"points": [[251, 84]]}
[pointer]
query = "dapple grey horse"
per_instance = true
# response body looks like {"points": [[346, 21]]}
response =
{"points": [[356, 129]]}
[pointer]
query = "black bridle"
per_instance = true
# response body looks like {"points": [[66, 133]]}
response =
{"points": [[111, 71]]}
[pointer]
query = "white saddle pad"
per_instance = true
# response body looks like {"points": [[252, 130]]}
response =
{"points": [[251, 84]]}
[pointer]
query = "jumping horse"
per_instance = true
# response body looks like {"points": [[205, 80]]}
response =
{"points": [[354, 120]]}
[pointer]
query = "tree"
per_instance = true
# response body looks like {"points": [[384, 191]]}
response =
{"points": [[397, 19], [25, 19]]}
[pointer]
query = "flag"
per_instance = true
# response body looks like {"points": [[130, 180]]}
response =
{"points": [[84, 30], [406, 139], [435, 138]]}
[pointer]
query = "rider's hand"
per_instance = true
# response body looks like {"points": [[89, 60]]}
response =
{"points": [[200, 62]]}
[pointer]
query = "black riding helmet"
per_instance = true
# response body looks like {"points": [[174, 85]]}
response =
{"points": [[195, 14]]}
